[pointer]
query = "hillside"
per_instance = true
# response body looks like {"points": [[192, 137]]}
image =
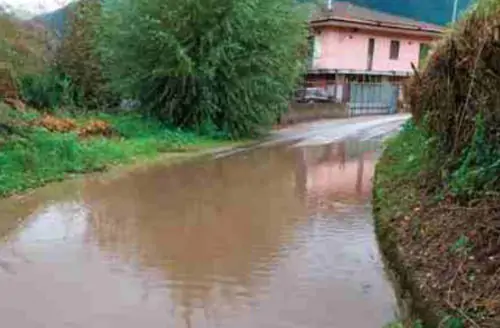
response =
{"points": [[23, 45], [55, 20], [431, 11]]}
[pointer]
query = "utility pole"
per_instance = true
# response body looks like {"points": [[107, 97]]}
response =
{"points": [[455, 9]]}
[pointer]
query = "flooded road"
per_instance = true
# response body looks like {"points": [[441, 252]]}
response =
{"points": [[277, 236]]}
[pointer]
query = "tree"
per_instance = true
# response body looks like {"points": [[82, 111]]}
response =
{"points": [[225, 65], [78, 57]]}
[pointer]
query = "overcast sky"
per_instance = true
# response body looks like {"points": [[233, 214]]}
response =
{"points": [[35, 6]]}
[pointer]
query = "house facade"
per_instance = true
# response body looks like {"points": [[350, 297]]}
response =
{"points": [[356, 44]]}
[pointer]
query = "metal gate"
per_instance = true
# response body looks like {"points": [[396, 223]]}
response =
{"points": [[372, 98]]}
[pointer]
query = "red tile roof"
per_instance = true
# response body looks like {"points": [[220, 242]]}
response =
{"points": [[346, 11]]}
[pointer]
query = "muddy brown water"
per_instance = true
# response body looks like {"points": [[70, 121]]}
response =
{"points": [[272, 237]]}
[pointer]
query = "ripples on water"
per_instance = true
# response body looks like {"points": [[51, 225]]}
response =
{"points": [[274, 237]]}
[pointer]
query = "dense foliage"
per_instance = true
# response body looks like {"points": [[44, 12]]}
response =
{"points": [[212, 65], [72, 78], [50, 90], [77, 57]]}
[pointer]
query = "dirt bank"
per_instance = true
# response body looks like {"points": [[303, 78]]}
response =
{"points": [[445, 251], [437, 188]]}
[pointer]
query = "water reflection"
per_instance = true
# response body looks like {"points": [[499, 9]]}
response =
{"points": [[337, 173], [213, 229], [275, 237]]}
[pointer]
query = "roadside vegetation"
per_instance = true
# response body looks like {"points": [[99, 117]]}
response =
{"points": [[39, 148], [405, 324], [437, 186], [127, 80]]}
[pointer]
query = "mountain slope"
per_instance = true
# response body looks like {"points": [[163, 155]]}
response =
{"points": [[55, 20], [23, 45]]}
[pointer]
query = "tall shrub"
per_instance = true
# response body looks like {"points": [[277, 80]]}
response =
{"points": [[228, 65], [455, 97], [77, 57], [50, 90]]}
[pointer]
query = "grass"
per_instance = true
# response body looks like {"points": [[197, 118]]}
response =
{"points": [[395, 195], [399, 171], [32, 156], [406, 324]]}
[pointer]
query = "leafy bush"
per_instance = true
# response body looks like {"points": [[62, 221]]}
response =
{"points": [[50, 90], [227, 65], [478, 167]]}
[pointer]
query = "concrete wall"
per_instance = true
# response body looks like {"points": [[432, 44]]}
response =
{"points": [[337, 48], [300, 112]]}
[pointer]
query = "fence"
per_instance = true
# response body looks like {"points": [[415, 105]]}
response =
{"points": [[373, 98], [364, 98]]}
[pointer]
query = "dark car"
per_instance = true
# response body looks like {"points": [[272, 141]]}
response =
{"points": [[312, 95]]}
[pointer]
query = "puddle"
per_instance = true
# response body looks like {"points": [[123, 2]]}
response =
{"points": [[274, 237]]}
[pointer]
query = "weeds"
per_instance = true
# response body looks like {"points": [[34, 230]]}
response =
{"points": [[479, 165], [409, 163], [463, 245], [394, 325], [39, 156], [445, 237], [404, 157], [50, 90], [409, 324], [452, 322]]}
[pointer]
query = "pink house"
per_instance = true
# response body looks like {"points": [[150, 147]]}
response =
{"points": [[354, 44]]}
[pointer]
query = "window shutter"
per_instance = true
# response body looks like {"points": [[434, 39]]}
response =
{"points": [[317, 47], [394, 50]]}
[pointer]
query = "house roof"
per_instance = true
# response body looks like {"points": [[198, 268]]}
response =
{"points": [[343, 11]]}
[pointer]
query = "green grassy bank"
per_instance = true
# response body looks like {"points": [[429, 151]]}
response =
{"points": [[441, 246], [31, 155], [395, 196]]}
